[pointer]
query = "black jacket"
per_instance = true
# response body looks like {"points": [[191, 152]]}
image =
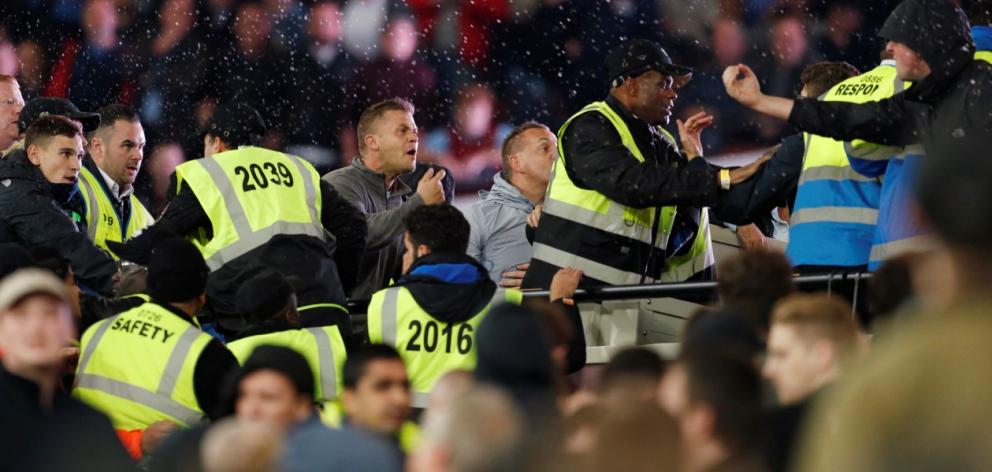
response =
{"points": [[772, 185], [598, 160], [67, 436], [328, 271], [947, 110], [33, 213], [453, 293]]}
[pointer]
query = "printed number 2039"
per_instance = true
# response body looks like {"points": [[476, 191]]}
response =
{"points": [[426, 336], [263, 175]]}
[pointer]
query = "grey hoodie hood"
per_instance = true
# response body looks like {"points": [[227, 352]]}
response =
{"points": [[505, 194]]}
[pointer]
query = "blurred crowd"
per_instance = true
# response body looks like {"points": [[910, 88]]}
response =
{"points": [[470, 68]]}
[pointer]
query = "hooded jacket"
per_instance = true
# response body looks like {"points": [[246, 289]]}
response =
{"points": [[499, 228], [34, 213], [946, 110], [450, 287]]}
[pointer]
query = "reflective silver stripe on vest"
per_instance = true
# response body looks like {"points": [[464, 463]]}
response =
{"points": [[389, 316], [325, 362], [309, 191], [176, 360], [613, 221], [248, 239], [140, 396], [93, 215], [419, 399], [596, 270], [837, 173], [914, 244], [865, 216], [701, 262], [101, 329]]}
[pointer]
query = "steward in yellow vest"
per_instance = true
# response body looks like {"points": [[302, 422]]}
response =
{"points": [[624, 205], [248, 207], [110, 210], [152, 363], [431, 313], [268, 303]]}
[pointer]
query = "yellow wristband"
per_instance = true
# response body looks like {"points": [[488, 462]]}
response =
{"points": [[725, 179]]}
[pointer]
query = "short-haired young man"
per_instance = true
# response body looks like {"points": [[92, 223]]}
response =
{"points": [[37, 186], [499, 219], [387, 144], [106, 181], [812, 338]]}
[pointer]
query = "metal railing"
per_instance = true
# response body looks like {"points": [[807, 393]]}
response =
{"points": [[828, 282]]}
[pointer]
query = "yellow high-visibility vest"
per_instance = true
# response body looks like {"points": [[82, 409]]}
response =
{"points": [[103, 222]]}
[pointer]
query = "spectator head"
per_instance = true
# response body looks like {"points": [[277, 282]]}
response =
{"points": [[251, 27], [716, 399], [399, 40], [387, 137], [811, 337], [473, 111], [234, 445], [818, 78], [722, 331], [751, 282], [268, 297], [11, 104], [177, 275], [13, 256], [44, 106], [231, 126], [118, 145], [177, 15], [100, 21], [275, 385], [35, 324], [9, 65], [376, 394], [54, 144], [729, 41], [788, 41], [51, 259], [513, 350], [434, 228], [958, 217], [644, 79], [448, 388], [528, 153], [890, 287], [480, 431], [558, 327], [636, 436], [632, 374], [31, 57], [324, 24]]}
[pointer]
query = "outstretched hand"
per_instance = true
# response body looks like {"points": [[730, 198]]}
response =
{"points": [[689, 133], [742, 85]]}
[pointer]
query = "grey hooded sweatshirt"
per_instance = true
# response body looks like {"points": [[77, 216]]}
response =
{"points": [[499, 221]]}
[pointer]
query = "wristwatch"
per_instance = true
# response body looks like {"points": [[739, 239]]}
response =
{"points": [[725, 179]]}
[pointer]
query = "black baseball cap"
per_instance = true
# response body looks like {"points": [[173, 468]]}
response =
{"points": [[285, 361], [176, 271], [235, 123], [264, 296], [637, 56], [44, 106]]}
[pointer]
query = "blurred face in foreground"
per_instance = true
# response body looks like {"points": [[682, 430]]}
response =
{"points": [[34, 331], [795, 364], [380, 401], [269, 396]]}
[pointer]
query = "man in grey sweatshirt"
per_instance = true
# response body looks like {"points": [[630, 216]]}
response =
{"points": [[387, 144], [499, 219]]}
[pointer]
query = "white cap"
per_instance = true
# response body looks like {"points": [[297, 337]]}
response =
{"points": [[24, 282]]}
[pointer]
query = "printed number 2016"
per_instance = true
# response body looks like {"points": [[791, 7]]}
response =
{"points": [[278, 174], [426, 337]]}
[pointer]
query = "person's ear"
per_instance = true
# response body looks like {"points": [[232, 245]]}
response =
{"points": [[96, 146], [371, 142], [422, 250], [34, 154], [825, 355]]}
